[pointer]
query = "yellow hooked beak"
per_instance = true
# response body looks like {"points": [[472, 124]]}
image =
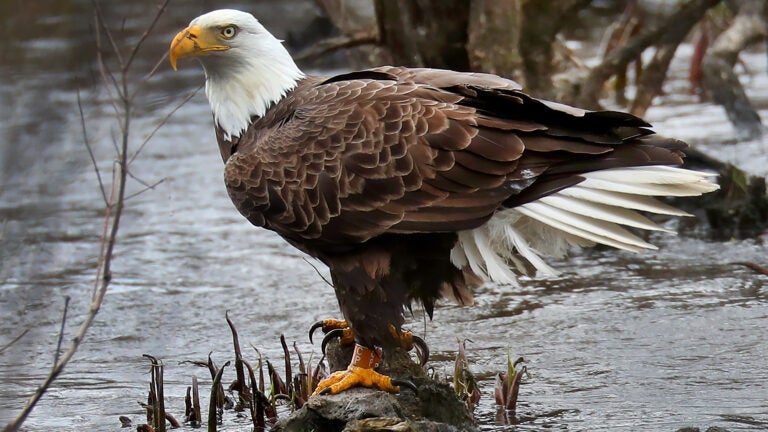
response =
{"points": [[194, 41]]}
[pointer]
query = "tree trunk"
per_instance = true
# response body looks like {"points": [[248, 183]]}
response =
{"points": [[494, 38], [749, 27], [540, 24], [425, 32]]}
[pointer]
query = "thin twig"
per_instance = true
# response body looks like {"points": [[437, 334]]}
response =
{"points": [[147, 188], [61, 331], [145, 35], [142, 182], [156, 67], [89, 148], [338, 42], [106, 74], [107, 32], [100, 276], [16, 339], [318, 272], [163, 122]]}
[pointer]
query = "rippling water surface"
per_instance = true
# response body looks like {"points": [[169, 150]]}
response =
{"points": [[619, 341]]}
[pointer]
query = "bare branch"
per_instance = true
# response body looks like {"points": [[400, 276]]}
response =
{"points": [[113, 212], [752, 266], [651, 80]]}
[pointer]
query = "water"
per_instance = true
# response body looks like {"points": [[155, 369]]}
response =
{"points": [[619, 341]]}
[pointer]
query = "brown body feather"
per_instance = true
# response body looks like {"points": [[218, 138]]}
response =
{"points": [[374, 172]]}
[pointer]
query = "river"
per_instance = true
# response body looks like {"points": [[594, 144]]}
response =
{"points": [[620, 342]]}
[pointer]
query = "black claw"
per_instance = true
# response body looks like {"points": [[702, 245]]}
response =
{"points": [[421, 349], [325, 391], [405, 383], [335, 333], [314, 327]]}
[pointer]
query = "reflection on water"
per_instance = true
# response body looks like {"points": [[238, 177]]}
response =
{"points": [[665, 339]]}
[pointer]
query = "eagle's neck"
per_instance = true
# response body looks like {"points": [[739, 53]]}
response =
{"points": [[242, 87]]}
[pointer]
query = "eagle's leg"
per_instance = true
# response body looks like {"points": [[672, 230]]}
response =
{"points": [[333, 328], [360, 372]]}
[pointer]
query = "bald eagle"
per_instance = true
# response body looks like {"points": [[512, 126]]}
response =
{"points": [[416, 184]]}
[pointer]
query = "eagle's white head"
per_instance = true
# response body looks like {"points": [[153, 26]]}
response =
{"points": [[246, 68]]}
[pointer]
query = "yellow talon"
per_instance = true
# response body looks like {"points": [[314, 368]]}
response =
{"points": [[360, 372], [355, 376]]}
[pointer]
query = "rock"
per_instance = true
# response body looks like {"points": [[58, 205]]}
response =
{"points": [[396, 425], [435, 409]]}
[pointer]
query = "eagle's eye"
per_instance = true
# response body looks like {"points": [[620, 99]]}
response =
{"points": [[228, 32]]}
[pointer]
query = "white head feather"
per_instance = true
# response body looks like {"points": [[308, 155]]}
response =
{"points": [[255, 72]]}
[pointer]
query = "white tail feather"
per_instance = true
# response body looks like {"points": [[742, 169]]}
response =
{"points": [[604, 212], [583, 226], [521, 245], [495, 266], [618, 199], [587, 213]]}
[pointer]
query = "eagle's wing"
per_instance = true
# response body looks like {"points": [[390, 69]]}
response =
{"points": [[395, 150]]}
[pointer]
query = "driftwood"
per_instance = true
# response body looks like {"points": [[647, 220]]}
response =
{"points": [[668, 32], [749, 27]]}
